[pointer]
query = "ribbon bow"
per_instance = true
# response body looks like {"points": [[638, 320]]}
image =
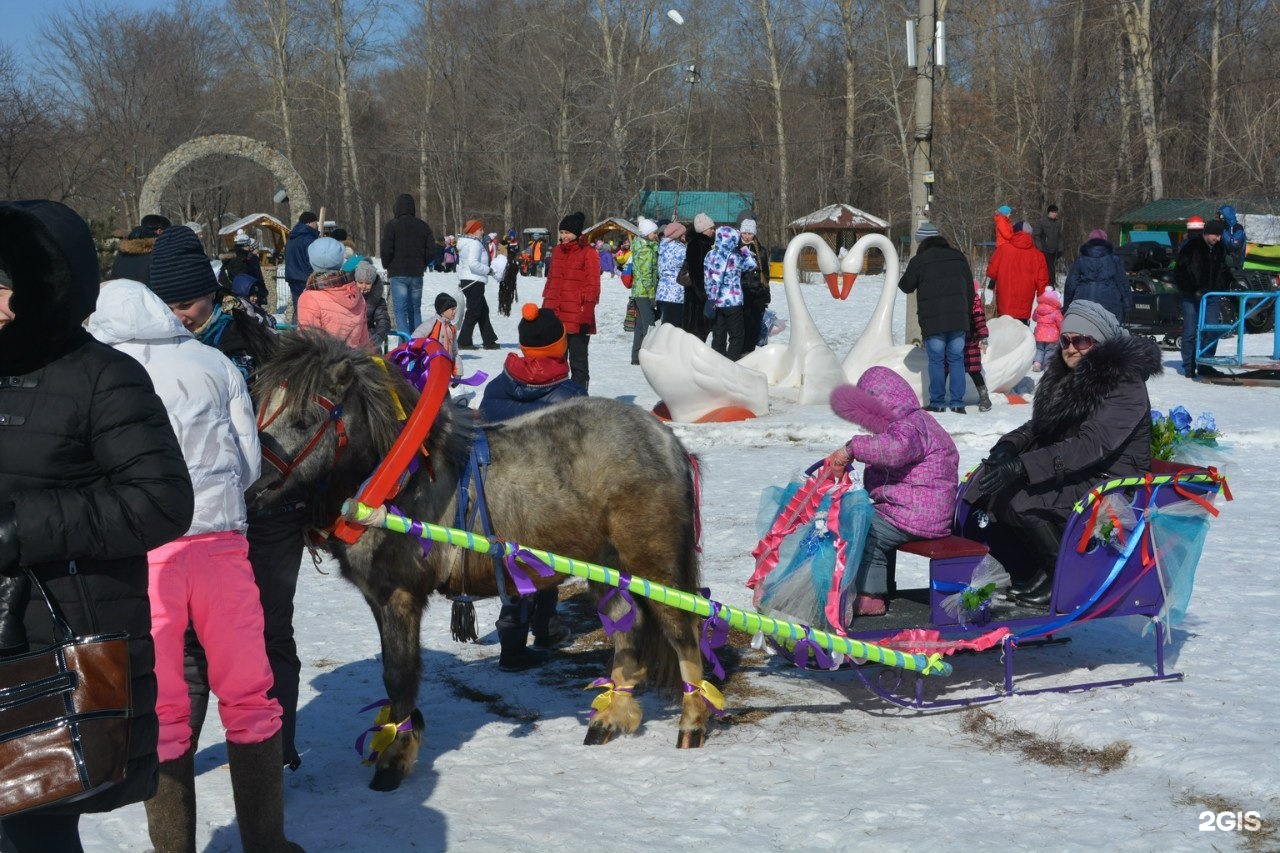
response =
{"points": [[715, 633], [709, 693], [605, 699], [624, 622], [383, 730], [513, 556], [807, 644]]}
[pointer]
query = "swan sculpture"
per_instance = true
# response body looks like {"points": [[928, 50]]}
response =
{"points": [[805, 363], [696, 383], [1010, 344]]}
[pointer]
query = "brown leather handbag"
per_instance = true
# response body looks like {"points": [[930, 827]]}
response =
{"points": [[64, 718]]}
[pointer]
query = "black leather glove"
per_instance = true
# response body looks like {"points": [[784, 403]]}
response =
{"points": [[9, 542], [1002, 452], [998, 476]]}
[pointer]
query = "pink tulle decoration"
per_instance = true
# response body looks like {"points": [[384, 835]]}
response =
{"points": [[853, 404]]}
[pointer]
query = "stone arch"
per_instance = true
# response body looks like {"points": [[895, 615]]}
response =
{"points": [[226, 144]]}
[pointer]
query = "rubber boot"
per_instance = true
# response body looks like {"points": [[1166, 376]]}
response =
{"points": [[1043, 542], [515, 656], [171, 813], [14, 594], [984, 399], [257, 786]]}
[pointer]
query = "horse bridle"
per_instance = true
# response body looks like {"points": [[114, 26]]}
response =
{"points": [[335, 418]]}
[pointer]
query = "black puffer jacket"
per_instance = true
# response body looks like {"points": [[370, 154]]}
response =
{"points": [[407, 243], [88, 462], [133, 257], [1087, 426], [944, 280]]}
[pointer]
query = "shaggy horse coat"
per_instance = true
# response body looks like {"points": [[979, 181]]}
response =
{"points": [[1087, 425], [591, 478]]}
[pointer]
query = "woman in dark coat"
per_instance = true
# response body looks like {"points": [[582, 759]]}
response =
{"points": [[1090, 422], [1098, 276], [91, 478]]}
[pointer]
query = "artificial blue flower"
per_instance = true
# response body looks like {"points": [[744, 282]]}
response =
{"points": [[1205, 423], [1181, 420], [1156, 416]]}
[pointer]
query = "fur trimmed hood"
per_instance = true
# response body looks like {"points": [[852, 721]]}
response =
{"points": [[136, 246], [48, 251], [1065, 398]]}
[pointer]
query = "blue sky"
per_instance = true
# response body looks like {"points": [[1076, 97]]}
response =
{"points": [[20, 20]]}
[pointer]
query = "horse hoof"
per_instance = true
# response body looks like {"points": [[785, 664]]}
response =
{"points": [[598, 735], [386, 779], [692, 739]]}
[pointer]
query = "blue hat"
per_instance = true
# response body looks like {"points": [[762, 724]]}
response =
{"points": [[1005, 209], [326, 254], [242, 284]]}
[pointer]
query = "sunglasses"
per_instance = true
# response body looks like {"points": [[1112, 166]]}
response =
{"points": [[1081, 343]]}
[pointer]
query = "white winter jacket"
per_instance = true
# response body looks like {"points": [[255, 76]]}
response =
{"points": [[204, 393], [473, 259]]}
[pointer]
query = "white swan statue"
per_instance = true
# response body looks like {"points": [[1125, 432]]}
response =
{"points": [[805, 362], [698, 384], [1010, 344]]}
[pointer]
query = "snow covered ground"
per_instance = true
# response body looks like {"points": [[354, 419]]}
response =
{"points": [[805, 761]]}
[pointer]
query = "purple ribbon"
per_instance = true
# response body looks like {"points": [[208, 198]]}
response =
{"points": [[693, 688], [521, 575], [402, 727], [408, 359], [715, 633], [628, 619], [415, 528], [808, 644], [476, 378]]}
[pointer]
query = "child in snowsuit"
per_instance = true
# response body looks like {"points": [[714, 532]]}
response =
{"points": [[1048, 319], [975, 344], [912, 468]]}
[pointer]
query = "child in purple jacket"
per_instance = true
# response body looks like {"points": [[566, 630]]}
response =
{"points": [[912, 468]]}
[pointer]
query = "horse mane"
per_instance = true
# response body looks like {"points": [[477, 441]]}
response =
{"points": [[305, 361]]}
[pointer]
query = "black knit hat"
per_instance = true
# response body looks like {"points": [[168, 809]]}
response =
{"points": [[308, 217], [444, 302], [574, 223], [154, 222], [1215, 226], [180, 269], [540, 331]]}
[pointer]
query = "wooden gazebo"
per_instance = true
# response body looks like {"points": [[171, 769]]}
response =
{"points": [[840, 225]]}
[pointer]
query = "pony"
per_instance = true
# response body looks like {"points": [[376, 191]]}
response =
{"points": [[591, 478]]}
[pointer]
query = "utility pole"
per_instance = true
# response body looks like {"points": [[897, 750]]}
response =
{"points": [[925, 30]]}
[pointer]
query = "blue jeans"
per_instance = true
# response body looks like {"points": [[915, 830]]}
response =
{"points": [[406, 299], [1045, 350], [1190, 320], [946, 351]]}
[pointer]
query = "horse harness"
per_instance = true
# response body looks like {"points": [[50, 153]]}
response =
{"points": [[286, 468]]}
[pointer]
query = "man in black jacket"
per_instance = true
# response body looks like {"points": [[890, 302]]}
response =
{"points": [[91, 478], [944, 280], [407, 247], [133, 253], [1201, 268]]}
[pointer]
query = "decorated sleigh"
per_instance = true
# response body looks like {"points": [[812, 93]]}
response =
{"points": [[1129, 549]]}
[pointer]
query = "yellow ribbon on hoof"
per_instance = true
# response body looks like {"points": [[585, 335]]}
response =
{"points": [[709, 693], [384, 734], [605, 699]]}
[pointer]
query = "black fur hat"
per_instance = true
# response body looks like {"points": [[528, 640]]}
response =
{"points": [[574, 223], [444, 302]]}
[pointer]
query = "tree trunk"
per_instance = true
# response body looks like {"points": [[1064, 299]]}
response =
{"points": [[1215, 108], [1135, 18], [779, 114], [847, 23]]}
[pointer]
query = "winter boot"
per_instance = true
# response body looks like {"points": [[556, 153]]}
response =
{"points": [[543, 622], [984, 399], [14, 593], [171, 813], [257, 786], [515, 657], [1042, 542]]}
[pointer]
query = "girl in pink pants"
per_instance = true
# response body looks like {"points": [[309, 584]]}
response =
{"points": [[203, 579], [208, 577]]}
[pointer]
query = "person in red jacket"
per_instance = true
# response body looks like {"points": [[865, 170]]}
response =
{"points": [[572, 291], [1004, 225], [1019, 273]]}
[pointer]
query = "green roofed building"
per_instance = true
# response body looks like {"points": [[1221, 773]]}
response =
{"points": [[1165, 219], [721, 207]]}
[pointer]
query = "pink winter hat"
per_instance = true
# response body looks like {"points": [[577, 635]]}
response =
{"points": [[1052, 295], [1098, 234]]}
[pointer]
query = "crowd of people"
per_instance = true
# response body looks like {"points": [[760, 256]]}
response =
{"points": [[132, 483]]}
